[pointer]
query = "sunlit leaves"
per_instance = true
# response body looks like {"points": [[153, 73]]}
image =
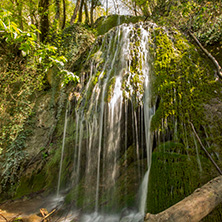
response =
{"points": [[68, 76], [25, 63]]}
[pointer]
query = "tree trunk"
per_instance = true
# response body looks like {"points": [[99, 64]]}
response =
{"points": [[135, 12], [194, 207], [64, 14], [91, 12], [86, 12], [31, 12], [44, 20], [107, 7], [19, 8], [75, 12], [57, 4], [80, 11]]}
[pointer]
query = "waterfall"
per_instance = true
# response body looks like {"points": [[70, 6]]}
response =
{"points": [[62, 154], [112, 125]]}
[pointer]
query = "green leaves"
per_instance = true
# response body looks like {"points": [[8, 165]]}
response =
{"points": [[24, 67], [68, 76], [26, 40], [46, 56]]}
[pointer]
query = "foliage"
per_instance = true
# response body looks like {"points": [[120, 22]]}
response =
{"points": [[25, 63], [45, 55], [201, 16], [173, 176]]}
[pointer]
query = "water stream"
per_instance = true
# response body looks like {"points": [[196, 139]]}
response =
{"points": [[62, 153], [112, 128]]}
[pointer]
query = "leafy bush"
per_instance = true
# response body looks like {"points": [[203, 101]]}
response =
{"points": [[25, 62]]}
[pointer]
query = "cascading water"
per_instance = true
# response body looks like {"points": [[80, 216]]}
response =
{"points": [[62, 154], [112, 122]]}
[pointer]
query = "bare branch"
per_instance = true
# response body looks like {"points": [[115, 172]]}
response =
{"points": [[215, 62], [205, 150]]}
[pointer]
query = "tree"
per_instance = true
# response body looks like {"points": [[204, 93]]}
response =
{"points": [[57, 15], [86, 12], [64, 14], [19, 5], [75, 12], [91, 12], [33, 12], [94, 4], [80, 11], [44, 19]]}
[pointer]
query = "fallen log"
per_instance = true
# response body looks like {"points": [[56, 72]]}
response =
{"points": [[194, 207]]}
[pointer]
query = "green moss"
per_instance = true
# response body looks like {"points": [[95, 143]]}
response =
{"points": [[171, 146], [174, 176], [104, 24], [52, 168], [183, 80], [28, 185], [214, 216], [76, 197], [110, 88]]}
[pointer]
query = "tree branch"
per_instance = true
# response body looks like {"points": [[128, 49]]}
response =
{"points": [[3, 217], [215, 62], [205, 150]]}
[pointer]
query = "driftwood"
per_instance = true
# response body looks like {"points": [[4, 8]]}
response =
{"points": [[215, 62], [32, 217], [4, 217], [194, 207], [10, 220], [46, 214]]}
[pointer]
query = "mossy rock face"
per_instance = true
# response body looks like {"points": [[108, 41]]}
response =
{"points": [[188, 95], [213, 112], [29, 185], [73, 41], [104, 24], [174, 176]]}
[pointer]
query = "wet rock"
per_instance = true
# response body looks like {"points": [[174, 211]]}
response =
{"points": [[31, 218]]}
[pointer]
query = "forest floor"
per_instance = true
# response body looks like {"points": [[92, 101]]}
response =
{"points": [[27, 208], [36, 208]]}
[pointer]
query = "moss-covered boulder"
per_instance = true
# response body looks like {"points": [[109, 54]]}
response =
{"points": [[105, 23]]}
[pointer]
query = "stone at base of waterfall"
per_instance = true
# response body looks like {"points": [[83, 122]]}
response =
{"points": [[32, 218], [133, 218]]}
